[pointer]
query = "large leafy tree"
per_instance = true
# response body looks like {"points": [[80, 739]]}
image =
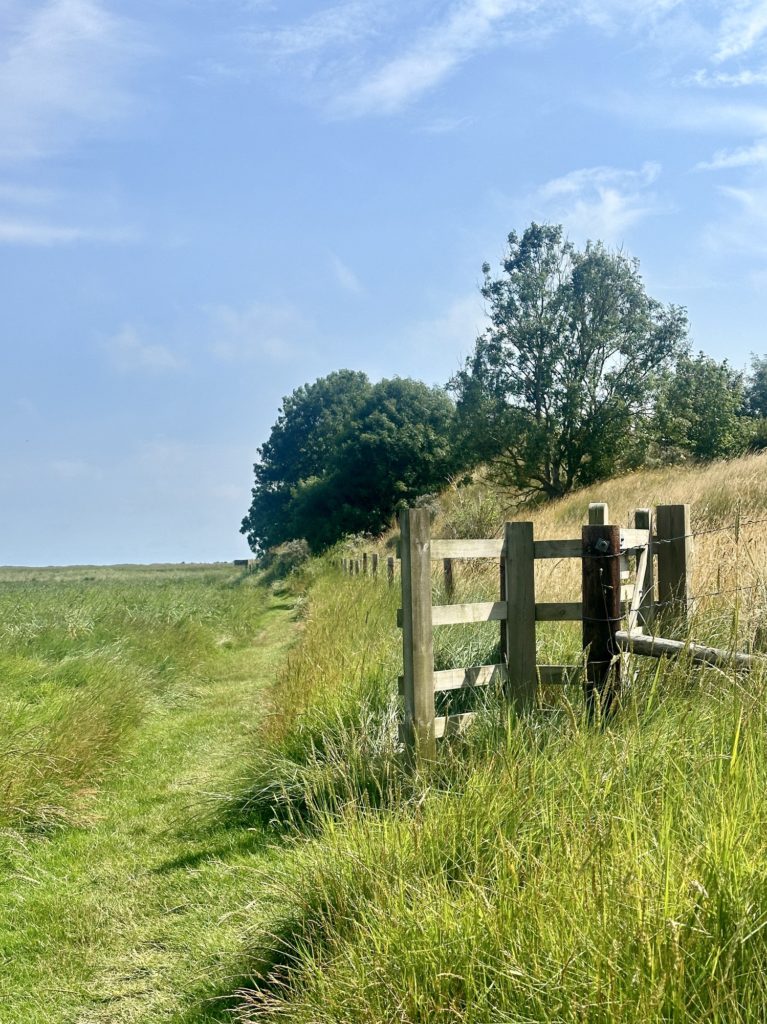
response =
{"points": [[301, 444], [344, 454], [700, 410], [560, 385], [398, 446]]}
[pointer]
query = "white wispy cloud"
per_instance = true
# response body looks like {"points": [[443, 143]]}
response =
{"points": [[745, 156], [469, 26], [419, 46], [726, 79], [340, 25], [130, 352], [742, 27], [36, 233], [60, 75], [599, 202]]}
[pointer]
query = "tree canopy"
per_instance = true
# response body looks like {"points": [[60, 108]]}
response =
{"points": [[699, 410], [560, 384], [344, 454]]}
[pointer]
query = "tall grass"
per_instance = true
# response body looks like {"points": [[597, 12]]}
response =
{"points": [[574, 876], [544, 870], [83, 655]]}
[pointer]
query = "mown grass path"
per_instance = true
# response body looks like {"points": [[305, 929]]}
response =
{"points": [[139, 916]]}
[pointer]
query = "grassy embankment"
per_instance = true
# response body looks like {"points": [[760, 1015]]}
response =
{"points": [[129, 698], [546, 871]]}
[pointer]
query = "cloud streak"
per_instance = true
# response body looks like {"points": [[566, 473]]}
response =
{"points": [[599, 202], [60, 71]]}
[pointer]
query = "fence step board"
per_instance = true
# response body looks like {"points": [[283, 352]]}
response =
{"points": [[453, 725], [557, 549], [476, 675], [559, 611], [492, 548], [565, 674]]}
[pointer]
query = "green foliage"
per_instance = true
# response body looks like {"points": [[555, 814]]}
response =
{"points": [[699, 410], [390, 443], [756, 388], [560, 384], [301, 445]]}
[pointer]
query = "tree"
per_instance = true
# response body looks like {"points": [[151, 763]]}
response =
{"points": [[344, 454], [397, 447], [301, 445], [561, 383], [756, 390], [699, 410]]}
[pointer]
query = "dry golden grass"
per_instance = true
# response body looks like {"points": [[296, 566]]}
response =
{"points": [[729, 518]]}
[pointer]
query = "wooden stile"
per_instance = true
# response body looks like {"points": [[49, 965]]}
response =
{"points": [[417, 643]]}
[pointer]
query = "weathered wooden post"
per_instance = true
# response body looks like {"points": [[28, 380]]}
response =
{"points": [[417, 642], [601, 616], [374, 563], [599, 514], [390, 569], [365, 564], [447, 571], [643, 521], [674, 561], [356, 566], [519, 576]]}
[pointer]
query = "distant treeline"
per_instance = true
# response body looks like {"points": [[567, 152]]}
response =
{"points": [[578, 376]]}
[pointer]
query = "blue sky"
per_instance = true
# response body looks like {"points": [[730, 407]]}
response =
{"points": [[206, 203]]}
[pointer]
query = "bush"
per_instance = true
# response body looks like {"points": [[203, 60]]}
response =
{"points": [[281, 561]]}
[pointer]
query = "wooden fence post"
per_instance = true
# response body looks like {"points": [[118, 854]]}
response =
{"points": [[643, 521], [356, 566], [674, 561], [599, 514], [365, 564], [417, 642], [374, 563], [447, 570], [390, 569], [601, 616], [519, 575]]}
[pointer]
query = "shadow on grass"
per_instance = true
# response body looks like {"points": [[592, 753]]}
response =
{"points": [[256, 977]]}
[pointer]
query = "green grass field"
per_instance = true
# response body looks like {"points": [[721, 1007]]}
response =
{"points": [[205, 816], [133, 695]]}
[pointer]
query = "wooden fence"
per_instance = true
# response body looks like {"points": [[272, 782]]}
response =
{"points": [[622, 570]]}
